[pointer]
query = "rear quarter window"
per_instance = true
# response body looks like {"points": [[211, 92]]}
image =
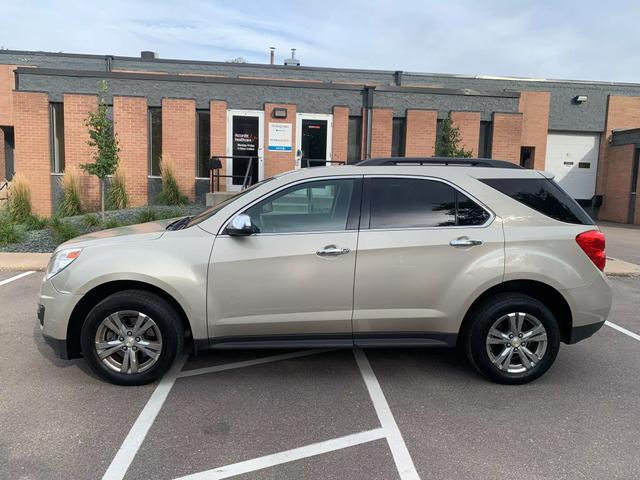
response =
{"points": [[544, 196]]}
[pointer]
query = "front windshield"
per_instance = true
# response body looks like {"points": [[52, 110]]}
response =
{"points": [[209, 212]]}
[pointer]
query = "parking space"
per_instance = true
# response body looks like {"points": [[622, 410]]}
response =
{"points": [[336, 414]]}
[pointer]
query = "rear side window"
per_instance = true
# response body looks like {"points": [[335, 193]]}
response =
{"points": [[416, 203], [544, 196]]}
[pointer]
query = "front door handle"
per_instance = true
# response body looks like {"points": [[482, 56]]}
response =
{"points": [[332, 251], [462, 242]]}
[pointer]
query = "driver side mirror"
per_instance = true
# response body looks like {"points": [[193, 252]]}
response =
{"points": [[240, 225]]}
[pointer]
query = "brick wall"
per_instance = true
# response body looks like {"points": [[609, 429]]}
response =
{"points": [[506, 138], [3, 167], [420, 139], [278, 162], [130, 117], [218, 124], [534, 107], [622, 112], [615, 202], [468, 124], [32, 155], [179, 141], [76, 149], [7, 84], [340, 134], [381, 132]]}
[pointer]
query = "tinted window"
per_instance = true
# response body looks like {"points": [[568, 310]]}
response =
{"points": [[155, 140], [397, 137], [355, 140], [204, 142], [310, 207], [411, 203], [57, 137], [543, 195]]}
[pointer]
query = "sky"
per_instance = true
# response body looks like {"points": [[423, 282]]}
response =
{"points": [[582, 40]]}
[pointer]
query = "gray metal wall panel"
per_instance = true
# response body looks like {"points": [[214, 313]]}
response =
{"points": [[237, 96]]}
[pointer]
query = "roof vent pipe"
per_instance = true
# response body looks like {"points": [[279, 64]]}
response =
{"points": [[293, 61], [272, 55]]}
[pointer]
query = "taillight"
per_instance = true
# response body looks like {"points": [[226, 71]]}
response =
{"points": [[592, 243]]}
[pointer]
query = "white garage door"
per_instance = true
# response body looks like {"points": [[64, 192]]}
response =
{"points": [[573, 159]]}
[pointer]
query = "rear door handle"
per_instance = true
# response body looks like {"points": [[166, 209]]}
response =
{"points": [[332, 251], [462, 242]]}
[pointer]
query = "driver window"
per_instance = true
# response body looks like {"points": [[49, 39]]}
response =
{"points": [[310, 207]]}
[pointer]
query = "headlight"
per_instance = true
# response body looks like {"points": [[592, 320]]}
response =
{"points": [[61, 260]]}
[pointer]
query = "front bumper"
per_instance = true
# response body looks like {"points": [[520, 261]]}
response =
{"points": [[54, 312]]}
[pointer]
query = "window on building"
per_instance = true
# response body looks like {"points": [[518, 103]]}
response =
{"points": [[204, 142], [311, 207], [415, 203], [155, 140], [484, 146], [438, 131], [398, 137], [354, 150], [56, 119]]}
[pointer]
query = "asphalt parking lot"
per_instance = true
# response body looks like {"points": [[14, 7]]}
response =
{"points": [[374, 414]]}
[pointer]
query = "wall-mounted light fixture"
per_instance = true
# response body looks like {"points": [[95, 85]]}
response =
{"points": [[279, 113], [580, 99]]}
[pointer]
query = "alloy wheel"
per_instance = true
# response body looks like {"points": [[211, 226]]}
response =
{"points": [[128, 342], [516, 342]]}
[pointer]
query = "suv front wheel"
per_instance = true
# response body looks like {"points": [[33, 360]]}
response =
{"points": [[131, 337], [512, 338]]}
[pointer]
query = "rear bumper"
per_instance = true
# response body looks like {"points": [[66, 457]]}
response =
{"points": [[59, 346], [584, 331]]}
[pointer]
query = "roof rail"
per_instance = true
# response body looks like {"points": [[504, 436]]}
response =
{"points": [[469, 162]]}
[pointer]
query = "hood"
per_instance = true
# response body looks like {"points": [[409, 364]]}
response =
{"points": [[114, 236]]}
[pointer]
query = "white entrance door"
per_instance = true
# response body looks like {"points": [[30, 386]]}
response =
{"points": [[313, 139], [245, 138], [573, 159]]}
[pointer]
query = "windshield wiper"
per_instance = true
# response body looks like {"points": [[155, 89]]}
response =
{"points": [[179, 224]]}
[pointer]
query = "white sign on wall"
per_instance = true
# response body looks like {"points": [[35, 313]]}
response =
{"points": [[280, 137]]}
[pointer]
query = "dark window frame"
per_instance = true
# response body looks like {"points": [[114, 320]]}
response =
{"points": [[484, 148], [57, 155], [354, 149], [367, 196], [398, 136], [200, 160], [150, 167]]}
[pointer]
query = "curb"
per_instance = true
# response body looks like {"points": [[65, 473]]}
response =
{"points": [[619, 268], [24, 261]]}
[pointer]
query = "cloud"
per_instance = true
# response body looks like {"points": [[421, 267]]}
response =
{"points": [[543, 38]]}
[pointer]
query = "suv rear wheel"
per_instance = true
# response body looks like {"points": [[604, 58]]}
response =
{"points": [[131, 337], [512, 339]]}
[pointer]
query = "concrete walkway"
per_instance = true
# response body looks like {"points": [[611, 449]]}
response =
{"points": [[38, 261]]}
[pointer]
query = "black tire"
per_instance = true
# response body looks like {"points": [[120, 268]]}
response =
{"points": [[483, 318], [155, 307]]}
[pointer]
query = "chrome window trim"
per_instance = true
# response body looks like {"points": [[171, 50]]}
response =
{"points": [[489, 221], [279, 189]]}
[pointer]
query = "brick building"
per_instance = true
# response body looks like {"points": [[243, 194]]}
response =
{"points": [[586, 133]]}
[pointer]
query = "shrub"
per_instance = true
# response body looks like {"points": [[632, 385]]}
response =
{"points": [[34, 222], [170, 193], [112, 223], [91, 220], [146, 215], [71, 204], [63, 231], [19, 204], [10, 232], [117, 197]]}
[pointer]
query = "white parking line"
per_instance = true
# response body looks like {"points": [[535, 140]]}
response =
{"points": [[401, 456], [249, 363], [288, 455], [15, 277], [623, 330], [129, 448]]}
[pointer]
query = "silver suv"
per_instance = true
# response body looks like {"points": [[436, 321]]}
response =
{"points": [[479, 254]]}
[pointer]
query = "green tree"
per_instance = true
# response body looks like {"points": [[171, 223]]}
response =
{"points": [[448, 140], [105, 144]]}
